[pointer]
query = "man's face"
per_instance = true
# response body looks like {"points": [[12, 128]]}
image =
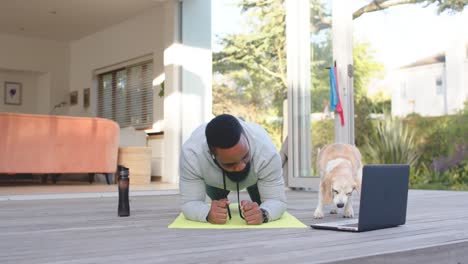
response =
{"points": [[234, 158]]}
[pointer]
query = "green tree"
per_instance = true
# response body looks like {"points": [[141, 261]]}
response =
{"points": [[322, 57], [450, 6], [365, 67], [320, 19], [255, 62]]}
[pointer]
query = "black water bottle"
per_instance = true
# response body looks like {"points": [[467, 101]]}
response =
{"points": [[124, 182]]}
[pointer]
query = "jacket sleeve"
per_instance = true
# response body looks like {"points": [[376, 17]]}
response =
{"points": [[192, 188], [271, 186]]}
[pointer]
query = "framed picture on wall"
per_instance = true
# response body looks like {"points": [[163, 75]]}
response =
{"points": [[13, 93], [73, 97]]}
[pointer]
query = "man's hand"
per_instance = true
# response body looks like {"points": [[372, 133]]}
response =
{"points": [[218, 211], [252, 213]]}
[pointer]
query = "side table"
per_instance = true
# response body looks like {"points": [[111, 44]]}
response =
{"points": [[138, 160]]}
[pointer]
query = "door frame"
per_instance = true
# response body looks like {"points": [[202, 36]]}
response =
{"points": [[298, 75]]}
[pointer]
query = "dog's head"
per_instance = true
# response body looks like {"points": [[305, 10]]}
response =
{"points": [[338, 185]]}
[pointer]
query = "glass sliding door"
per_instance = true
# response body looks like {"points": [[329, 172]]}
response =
{"points": [[311, 122], [270, 67], [321, 56], [249, 62]]}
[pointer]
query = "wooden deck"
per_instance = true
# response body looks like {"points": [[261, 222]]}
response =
{"points": [[87, 230]]}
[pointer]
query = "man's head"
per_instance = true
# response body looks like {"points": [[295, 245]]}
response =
{"points": [[228, 144]]}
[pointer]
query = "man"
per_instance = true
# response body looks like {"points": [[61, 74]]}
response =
{"points": [[228, 154]]}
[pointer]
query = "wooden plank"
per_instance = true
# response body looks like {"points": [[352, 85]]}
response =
{"points": [[89, 231]]}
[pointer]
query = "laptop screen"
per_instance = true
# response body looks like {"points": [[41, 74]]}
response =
{"points": [[384, 196]]}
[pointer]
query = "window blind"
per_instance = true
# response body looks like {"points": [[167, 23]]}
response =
{"points": [[126, 95]]}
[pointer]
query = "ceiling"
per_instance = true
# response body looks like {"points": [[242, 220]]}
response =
{"points": [[66, 20]]}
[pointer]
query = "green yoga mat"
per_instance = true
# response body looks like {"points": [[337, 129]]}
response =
{"points": [[286, 221]]}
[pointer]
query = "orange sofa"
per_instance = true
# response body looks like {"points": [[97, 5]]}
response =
{"points": [[43, 144]]}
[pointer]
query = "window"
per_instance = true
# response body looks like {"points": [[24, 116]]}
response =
{"points": [[439, 86], [126, 95]]}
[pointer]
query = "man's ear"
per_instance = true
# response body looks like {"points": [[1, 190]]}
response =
{"points": [[212, 153], [326, 190]]}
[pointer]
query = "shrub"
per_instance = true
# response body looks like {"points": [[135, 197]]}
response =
{"points": [[393, 143], [455, 178], [322, 133], [362, 121]]}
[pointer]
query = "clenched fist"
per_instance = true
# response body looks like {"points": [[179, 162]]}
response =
{"points": [[218, 211], [252, 213]]}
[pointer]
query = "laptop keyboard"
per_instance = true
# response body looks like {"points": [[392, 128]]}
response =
{"points": [[350, 222]]}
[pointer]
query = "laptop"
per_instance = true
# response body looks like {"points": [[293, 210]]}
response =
{"points": [[384, 197]]}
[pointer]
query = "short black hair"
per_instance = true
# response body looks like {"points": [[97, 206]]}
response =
{"points": [[223, 131]]}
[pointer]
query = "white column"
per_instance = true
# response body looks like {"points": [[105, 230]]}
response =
{"points": [[187, 68], [298, 74], [172, 93], [197, 65], [342, 32]]}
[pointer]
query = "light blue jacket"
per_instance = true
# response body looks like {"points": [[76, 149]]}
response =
{"points": [[197, 169]]}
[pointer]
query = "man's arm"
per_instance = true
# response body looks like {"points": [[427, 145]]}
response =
{"points": [[271, 186], [192, 189]]}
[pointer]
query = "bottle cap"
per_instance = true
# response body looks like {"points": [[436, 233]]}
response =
{"points": [[122, 171]]}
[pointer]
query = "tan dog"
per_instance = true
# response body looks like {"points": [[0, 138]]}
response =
{"points": [[340, 170]]}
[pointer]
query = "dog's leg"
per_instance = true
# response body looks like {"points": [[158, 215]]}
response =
{"points": [[348, 211], [319, 210]]}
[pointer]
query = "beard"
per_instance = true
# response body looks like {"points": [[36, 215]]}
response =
{"points": [[238, 176]]}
